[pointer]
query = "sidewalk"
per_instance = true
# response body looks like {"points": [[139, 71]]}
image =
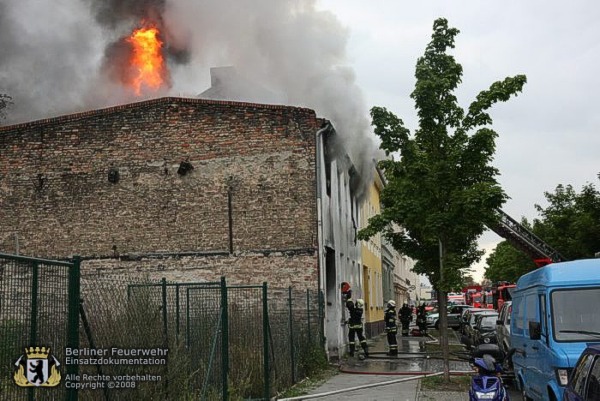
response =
{"points": [[379, 368]]}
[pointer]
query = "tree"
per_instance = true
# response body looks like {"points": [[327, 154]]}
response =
{"points": [[5, 100], [569, 224], [506, 263], [442, 190]]}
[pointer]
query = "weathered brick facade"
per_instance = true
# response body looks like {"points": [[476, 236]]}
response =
{"points": [[251, 190]]}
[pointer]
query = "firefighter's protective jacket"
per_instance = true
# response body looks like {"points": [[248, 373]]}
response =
{"points": [[389, 317], [356, 313]]}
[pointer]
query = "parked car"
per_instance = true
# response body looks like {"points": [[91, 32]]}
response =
{"points": [[555, 316], [468, 338], [466, 318], [503, 326], [454, 315], [584, 383], [484, 331]]}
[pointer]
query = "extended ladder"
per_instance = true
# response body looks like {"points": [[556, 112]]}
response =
{"points": [[526, 241]]}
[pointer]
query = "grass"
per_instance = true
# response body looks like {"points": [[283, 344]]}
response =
{"points": [[437, 383], [310, 383]]}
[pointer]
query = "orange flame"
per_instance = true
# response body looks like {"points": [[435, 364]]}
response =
{"points": [[147, 59]]}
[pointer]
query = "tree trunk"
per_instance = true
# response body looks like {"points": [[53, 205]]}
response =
{"points": [[443, 310], [443, 307]]}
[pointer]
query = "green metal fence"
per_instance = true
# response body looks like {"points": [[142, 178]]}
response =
{"points": [[38, 308], [225, 342]]}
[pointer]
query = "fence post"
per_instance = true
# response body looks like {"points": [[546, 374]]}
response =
{"points": [[165, 329], [267, 370], [34, 303], [224, 340], [187, 318], [177, 311], [292, 359], [163, 283], [34, 313], [308, 315], [73, 319]]}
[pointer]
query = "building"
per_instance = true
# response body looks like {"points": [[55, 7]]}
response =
{"points": [[189, 190], [371, 255]]}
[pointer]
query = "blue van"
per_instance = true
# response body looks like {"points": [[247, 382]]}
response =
{"points": [[555, 315]]}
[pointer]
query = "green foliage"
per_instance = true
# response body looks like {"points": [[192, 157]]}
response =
{"points": [[456, 383], [313, 360], [442, 189], [569, 224], [506, 263]]}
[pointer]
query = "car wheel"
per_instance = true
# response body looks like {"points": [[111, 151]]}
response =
{"points": [[437, 325]]}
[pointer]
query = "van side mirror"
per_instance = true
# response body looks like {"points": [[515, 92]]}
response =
{"points": [[535, 330]]}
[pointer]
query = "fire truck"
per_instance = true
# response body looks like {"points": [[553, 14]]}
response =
{"points": [[469, 292], [502, 292]]}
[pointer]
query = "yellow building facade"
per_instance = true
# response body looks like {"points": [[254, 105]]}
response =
{"points": [[371, 261]]}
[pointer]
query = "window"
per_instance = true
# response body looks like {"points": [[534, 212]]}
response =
{"points": [[488, 322], [518, 313], [593, 384], [543, 315], [572, 317], [580, 373], [531, 311]]}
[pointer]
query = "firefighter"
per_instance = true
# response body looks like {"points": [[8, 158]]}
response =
{"points": [[391, 328], [405, 316], [422, 320], [355, 325]]}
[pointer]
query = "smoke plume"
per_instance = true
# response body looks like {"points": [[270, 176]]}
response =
{"points": [[64, 56]]}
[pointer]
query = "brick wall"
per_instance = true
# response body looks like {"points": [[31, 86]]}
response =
{"points": [[56, 197]]}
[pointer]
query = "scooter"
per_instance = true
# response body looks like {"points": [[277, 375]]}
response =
{"points": [[487, 384]]}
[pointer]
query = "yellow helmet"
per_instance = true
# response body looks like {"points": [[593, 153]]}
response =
{"points": [[360, 303]]}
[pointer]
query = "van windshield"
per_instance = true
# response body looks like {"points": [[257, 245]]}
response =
{"points": [[574, 315]]}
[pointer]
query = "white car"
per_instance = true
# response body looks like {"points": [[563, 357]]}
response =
{"points": [[454, 315]]}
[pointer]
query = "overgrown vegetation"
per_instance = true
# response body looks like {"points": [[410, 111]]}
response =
{"points": [[437, 383]]}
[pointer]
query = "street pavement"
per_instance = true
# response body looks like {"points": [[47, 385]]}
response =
{"points": [[380, 368]]}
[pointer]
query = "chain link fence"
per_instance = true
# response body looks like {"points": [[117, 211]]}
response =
{"points": [[38, 299], [224, 342]]}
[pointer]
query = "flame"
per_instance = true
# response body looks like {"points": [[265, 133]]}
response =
{"points": [[147, 59]]}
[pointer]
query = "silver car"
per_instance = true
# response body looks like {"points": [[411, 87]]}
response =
{"points": [[503, 326]]}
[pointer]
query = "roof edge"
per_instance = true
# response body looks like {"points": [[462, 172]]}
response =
{"points": [[149, 102]]}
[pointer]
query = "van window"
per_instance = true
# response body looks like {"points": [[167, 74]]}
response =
{"points": [[543, 315], [531, 311], [518, 310], [575, 315]]}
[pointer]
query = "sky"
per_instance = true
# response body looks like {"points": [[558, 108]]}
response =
{"points": [[549, 134], [339, 57]]}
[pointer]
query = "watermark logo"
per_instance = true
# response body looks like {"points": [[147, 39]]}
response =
{"points": [[37, 368]]}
